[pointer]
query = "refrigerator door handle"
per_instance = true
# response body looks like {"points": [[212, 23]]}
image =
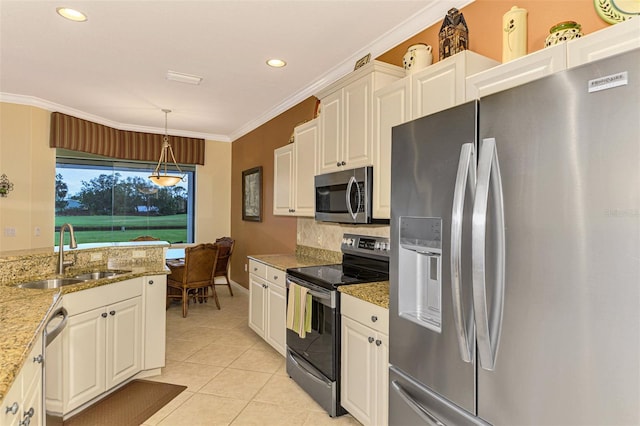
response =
{"points": [[353, 214], [466, 177], [424, 414], [488, 325]]}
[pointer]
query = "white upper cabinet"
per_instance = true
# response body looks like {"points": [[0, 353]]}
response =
{"points": [[346, 120], [294, 171], [442, 85], [516, 72], [392, 106], [610, 41]]}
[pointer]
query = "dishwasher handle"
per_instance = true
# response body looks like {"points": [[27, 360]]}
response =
{"points": [[49, 336]]}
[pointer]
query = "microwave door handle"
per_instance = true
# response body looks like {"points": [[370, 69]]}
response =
{"points": [[488, 325], [352, 180], [466, 176]]}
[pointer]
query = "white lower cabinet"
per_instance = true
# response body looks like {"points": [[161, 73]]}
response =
{"points": [[268, 304], [102, 344], [155, 321], [23, 403], [365, 360]]}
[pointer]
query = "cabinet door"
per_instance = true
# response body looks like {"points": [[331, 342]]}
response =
{"points": [[283, 180], [391, 107], [257, 302], [305, 168], [275, 332], [12, 406], [32, 397], [610, 41], [155, 321], [84, 357], [358, 381], [382, 386], [330, 147], [357, 144], [124, 341], [519, 71]]}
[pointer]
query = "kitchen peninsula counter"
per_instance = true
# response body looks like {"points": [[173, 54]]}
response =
{"points": [[23, 311], [303, 256]]}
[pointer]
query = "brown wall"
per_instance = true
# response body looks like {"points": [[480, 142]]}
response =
{"points": [[484, 19], [275, 234]]}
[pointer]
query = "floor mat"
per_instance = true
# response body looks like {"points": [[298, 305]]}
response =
{"points": [[131, 405]]}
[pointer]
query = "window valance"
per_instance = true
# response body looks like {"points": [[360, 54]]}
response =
{"points": [[77, 134]]}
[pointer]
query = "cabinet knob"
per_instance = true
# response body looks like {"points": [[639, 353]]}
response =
{"points": [[112, 313], [378, 342], [371, 339], [374, 318], [338, 164], [275, 277], [29, 413], [255, 269], [38, 359], [150, 282], [104, 315], [343, 163], [12, 409]]}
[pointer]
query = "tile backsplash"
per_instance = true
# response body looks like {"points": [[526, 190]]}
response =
{"points": [[328, 236]]}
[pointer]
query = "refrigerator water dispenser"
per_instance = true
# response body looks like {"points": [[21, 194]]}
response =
{"points": [[420, 271]]}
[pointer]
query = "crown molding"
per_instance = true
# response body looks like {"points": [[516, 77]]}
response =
{"points": [[433, 12], [54, 107]]}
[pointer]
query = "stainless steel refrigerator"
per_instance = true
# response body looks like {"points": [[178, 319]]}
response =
{"points": [[515, 270]]}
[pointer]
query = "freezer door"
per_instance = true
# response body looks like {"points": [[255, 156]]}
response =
{"points": [[423, 334], [570, 164]]}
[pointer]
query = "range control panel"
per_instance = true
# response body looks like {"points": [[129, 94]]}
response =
{"points": [[365, 244]]}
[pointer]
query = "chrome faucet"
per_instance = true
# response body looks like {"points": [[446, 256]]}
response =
{"points": [[72, 244]]}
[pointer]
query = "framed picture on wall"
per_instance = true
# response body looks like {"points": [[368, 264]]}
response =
{"points": [[252, 194]]}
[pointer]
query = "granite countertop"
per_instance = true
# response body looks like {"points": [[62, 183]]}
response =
{"points": [[23, 313], [376, 293]]}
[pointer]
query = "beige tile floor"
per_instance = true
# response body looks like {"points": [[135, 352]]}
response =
{"points": [[233, 377]]}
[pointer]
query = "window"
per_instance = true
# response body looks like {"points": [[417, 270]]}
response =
{"points": [[113, 201]]}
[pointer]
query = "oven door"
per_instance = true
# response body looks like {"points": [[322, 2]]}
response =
{"points": [[345, 196], [319, 347]]}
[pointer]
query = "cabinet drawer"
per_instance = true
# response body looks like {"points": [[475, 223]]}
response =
{"points": [[257, 268], [93, 298], [373, 316], [276, 276]]}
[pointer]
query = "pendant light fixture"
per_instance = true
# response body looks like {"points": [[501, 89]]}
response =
{"points": [[166, 179]]}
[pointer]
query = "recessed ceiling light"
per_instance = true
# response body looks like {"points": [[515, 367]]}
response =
{"points": [[276, 63], [71, 14], [183, 78]]}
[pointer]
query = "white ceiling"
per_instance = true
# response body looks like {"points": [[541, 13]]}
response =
{"points": [[112, 68]]}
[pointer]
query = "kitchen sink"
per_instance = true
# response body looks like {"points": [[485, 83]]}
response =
{"points": [[77, 279], [96, 275], [51, 283]]}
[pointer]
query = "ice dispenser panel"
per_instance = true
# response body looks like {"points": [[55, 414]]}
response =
{"points": [[420, 271]]}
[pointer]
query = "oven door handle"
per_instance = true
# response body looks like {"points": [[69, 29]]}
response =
{"points": [[321, 296]]}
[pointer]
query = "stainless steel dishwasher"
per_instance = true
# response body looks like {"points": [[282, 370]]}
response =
{"points": [[52, 350]]}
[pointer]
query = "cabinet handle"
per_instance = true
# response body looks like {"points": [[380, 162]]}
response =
{"points": [[378, 342], [12, 409], [38, 359], [374, 318], [112, 313], [343, 163], [104, 315], [150, 282], [371, 339]]}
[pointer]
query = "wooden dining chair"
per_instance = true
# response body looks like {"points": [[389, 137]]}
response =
{"points": [[194, 278], [225, 250]]}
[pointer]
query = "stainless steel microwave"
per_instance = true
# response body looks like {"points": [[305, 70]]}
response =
{"points": [[345, 196]]}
